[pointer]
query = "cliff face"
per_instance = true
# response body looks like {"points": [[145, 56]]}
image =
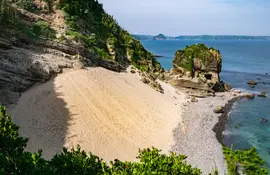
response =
{"points": [[40, 38], [198, 67]]}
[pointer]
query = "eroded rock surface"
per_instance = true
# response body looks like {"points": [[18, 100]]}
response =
{"points": [[20, 68], [197, 67]]}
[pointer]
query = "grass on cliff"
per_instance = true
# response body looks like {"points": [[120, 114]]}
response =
{"points": [[185, 58]]}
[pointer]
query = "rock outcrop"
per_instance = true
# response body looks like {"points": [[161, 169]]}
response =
{"points": [[197, 67], [20, 68]]}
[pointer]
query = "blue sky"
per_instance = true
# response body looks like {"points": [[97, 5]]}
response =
{"points": [[191, 17]]}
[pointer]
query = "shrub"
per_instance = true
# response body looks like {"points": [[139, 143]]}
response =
{"points": [[14, 160], [28, 5], [248, 160], [42, 28]]}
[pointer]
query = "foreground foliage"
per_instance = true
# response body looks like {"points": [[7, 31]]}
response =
{"points": [[14, 160], [246, 160]]}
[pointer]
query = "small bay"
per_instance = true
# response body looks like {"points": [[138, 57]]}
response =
{"points": [[243, 60]]}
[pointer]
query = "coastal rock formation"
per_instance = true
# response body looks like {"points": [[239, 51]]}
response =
{"points": [[262, 94], [250, 96], [20, 68], [198, 67], [252, 82]]}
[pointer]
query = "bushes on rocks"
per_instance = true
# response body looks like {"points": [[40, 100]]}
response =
{"points": [[28, 5], [42, 28], [248, 160]]}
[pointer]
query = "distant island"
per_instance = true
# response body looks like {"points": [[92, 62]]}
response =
{"points": [[201, 37], [160, 37]]}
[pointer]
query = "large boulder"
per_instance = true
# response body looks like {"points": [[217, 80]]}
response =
{"points": [[219, 109], [200, 64], [252, 82]]}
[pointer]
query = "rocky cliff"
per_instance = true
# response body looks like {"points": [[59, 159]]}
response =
{"points": [[40, 38], [197, 67]]}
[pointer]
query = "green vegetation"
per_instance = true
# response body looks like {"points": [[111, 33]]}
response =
{"points": [[50, 5], [247, 160], [14, 160], [28, 5], [11, 18], [185, 58], [88, 19], [43, 29]]}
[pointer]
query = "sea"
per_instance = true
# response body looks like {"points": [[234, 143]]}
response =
{"points": [[243, 60]]}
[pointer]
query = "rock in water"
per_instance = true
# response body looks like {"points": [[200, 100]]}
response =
{"points": [[262, 120], [199, 65], [262, 94], [219, 109], [252, 82], [250, 96]]}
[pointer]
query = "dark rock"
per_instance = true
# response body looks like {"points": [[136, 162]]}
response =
{"points": [[219, 109], [262, 94], [227, 87], [262, 120], [217, 87], [111, 65], [252, 82], [132, 71]]}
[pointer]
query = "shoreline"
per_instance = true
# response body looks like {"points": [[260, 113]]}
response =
{"points": [[219, 128], [195, 136]]}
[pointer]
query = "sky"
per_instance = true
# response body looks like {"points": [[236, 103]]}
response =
{"points": [[192, 17]]}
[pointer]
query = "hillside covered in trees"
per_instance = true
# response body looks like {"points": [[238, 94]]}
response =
{"points": [[84, 23]]}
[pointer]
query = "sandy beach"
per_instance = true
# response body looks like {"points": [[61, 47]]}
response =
{"points": [[110, 114], [114, 114]]}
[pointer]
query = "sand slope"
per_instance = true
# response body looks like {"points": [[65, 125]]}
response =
{"points": [[110, 114]]}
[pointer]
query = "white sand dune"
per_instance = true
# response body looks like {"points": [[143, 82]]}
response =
{"points": [[110, 114]]}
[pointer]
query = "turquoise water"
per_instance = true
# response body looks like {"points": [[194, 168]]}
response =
{"points": [[242, 61]]}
